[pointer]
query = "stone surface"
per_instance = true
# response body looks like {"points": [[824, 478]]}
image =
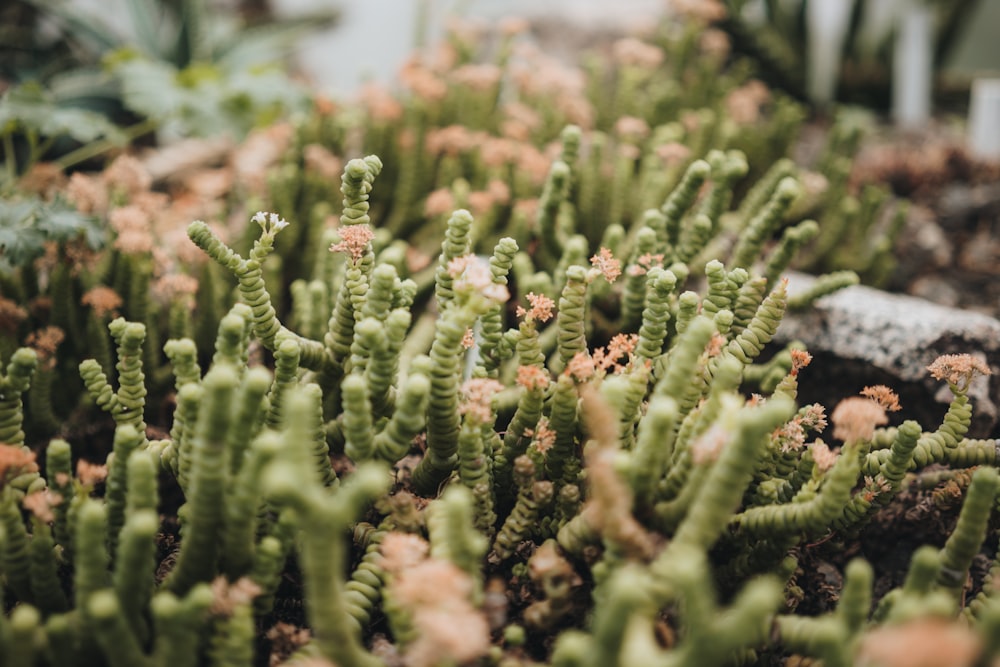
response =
{"points": [[862, 336]]}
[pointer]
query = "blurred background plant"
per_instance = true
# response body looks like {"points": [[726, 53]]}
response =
{"points": [[76, 84], [775, 34]]}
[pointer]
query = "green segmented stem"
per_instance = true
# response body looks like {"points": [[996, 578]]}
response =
{"points": [[532, 497], [364, 590], [751, 294], [570, 320], [188, 407], [183, 356], [234, 336], [792, 239], [474, 471], [660, 285], [254, 292], [451, 522], [196, 561], [14, 552], [731, 474], [683, 358], [828, 283], [679, 202], [243, 499], [381, 287], [46, 588], [135, 565], [383, 366], [357, 419], [407, 420], [653, 448], [442, 410], [562, 420], [750, 342], [811, 517], [763, 224], [179, 625], [250, 403], [456, 244], [727, 169], [970, 531], [91, 556], [554, 193], [59, 473], [269, 556], [287, 357], [126, 441], [637, 279], [941, 445], [491, 329]]}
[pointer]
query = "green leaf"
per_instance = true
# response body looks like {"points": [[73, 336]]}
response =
{"points": [[26, 224]]}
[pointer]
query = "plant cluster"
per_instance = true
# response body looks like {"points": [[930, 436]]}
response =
{"points": [[494, 408]]}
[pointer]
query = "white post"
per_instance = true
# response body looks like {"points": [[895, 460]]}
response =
{"points": [[912, 67], [826, 25], [984, 120]]}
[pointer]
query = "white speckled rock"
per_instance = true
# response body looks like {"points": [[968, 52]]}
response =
{"points": [[876, 337]]}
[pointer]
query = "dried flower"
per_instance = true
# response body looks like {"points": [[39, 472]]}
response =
{"points": [[90, 474], [127, 174], [437, 594], [354, 240], [478, 77], [544, 437], [402, 550], [226, 597], [790, 436], [175, 285], [958, 370], [606, 265], [631, 51], [644, 263], [714, 43], [532, 377], [472, 274], [439, 202], [541, 308], [855, 418], [922, 642], [823, 456], [88, 194], [134, 229], [319, 159], [380, 103], [581, 367], [631, 128], [673, 153], [800, 359], [469, 339], [11, 315], [707, 11], [45, 342], [103, 299], [882, 395], [477, 398], [743, 104], [621, 345], [40, 503], [813, 417], [14, 461]]}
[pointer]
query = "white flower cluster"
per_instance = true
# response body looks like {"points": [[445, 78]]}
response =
{"points": [[269, 222]]}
